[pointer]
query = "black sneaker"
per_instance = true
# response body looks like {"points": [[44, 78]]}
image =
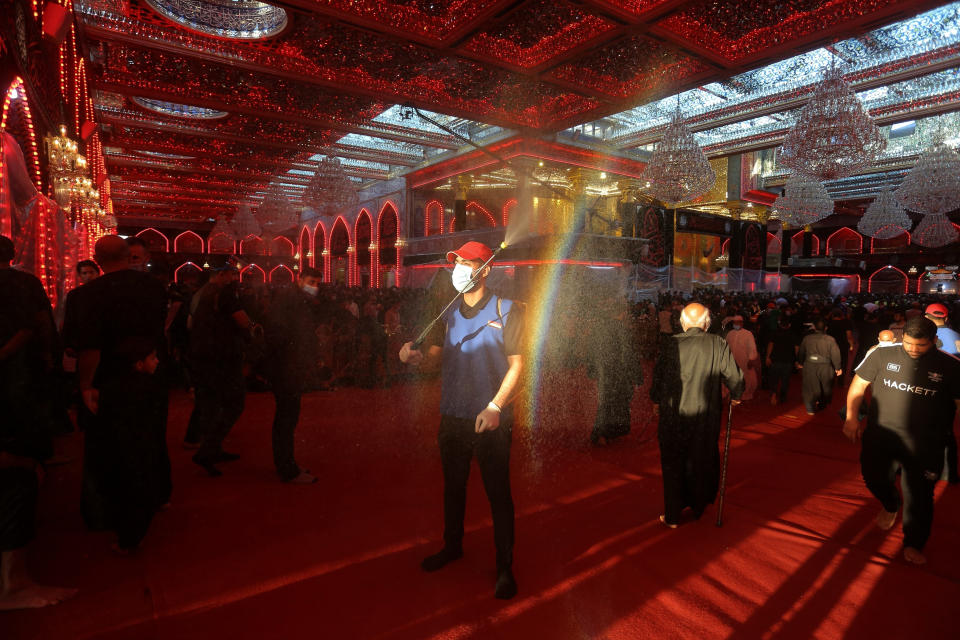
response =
{"points": [[440, 560], [506, 585], [208, 466]]}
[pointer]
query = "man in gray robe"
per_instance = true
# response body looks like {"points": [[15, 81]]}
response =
{"points": [[686, 389]]}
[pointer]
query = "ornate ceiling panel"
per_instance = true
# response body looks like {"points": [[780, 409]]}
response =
{"points": [[323, 76]]}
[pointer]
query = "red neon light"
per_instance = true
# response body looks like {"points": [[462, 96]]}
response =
{"points": [[770, 236], [255, 239], [797, 243], [532, 263], [906, 278], [176, 273], [433, 204], [396, 217], [289, 246], [17, 87], [848, 231], [176, 241], [305, 248], [477, 206], [249, 269], [830, 275], [507, 208], [166, 240], [284, 268]]}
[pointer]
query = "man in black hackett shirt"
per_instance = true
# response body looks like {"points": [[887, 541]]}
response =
{"points": [[916, 390]]}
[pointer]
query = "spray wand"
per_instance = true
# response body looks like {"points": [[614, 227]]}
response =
{"points": [[473, 280]]}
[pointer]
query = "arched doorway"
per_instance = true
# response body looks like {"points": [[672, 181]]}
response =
{"points": [[281, 274], [305, 250], [433, 218], [156, 242], [187, 270], [281, 247], [844, 241], [188, 242], [895, 244], [253, 246], [320, 261], [339, 256], [887, 279], [363, 232], [253, 274], [220, 243], [388, 258]]}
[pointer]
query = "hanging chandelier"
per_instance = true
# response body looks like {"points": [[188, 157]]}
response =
{"points": [[933, 184], [68, 169], [331, 190], [935, 230], [678, 171], [885, 218], [834, 136], [804, 201], [244, 224], [275, 213]]}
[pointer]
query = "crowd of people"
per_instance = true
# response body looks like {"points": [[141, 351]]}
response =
{"points": [[126, 335]]}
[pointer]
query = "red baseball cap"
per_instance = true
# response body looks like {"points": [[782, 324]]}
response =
{"points": [[471, 251], [936, 310]]}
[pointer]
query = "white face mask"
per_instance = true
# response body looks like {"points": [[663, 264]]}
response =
{"points": [[462, 273], [737, 327], [310, 290]]}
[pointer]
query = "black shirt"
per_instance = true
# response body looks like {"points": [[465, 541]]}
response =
{"points": [[215, 338], [784, 343], [116, 306], [914, 397]]}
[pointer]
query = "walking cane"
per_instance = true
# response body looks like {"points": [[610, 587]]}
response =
{"points": [[723, 469]]}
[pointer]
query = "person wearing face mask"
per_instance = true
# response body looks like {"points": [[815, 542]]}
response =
{"points": [[291, 337], [480, 346], [820, 359]]}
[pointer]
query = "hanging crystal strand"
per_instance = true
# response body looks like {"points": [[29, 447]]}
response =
{"points": [[834, 136], [804, 201], [678, 170], [885, 218]]}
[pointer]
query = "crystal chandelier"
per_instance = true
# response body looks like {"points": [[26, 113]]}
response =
{"points": [[834, 136], [935, 230], [276, 214], [678, 171], [804, 201], [331, 190], [68, 169], [884, 218], [933, 184], [244, 224]]}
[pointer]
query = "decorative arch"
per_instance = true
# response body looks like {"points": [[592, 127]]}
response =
{"points": [[508, 208], [253, 273], [155, 240], [774, 244], [321, 261], [891, 280], [363, 259], [188, 242], [388, 251], [221, 243], [844, 241], [17, 92], [476, 211], [890, 245], [281, 274], [339, 263], [796, 244], [253, 246], [305, 249], [432, 217], [184, 269], [282, 247], [725, 247]]}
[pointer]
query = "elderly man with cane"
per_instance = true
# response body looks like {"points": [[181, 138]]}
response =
{"points": [[687, 391]]}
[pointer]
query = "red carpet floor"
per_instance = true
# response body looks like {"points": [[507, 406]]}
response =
{"points": [[244, 556]]}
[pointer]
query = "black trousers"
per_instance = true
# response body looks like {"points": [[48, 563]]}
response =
{"points": [[884, 452], [778, 379], [285, 419], [219, 399], [459, 443], [19, 490], [818, 382]]}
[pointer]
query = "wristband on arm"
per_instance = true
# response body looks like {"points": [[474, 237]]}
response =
{"points": [[492, 405]]}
